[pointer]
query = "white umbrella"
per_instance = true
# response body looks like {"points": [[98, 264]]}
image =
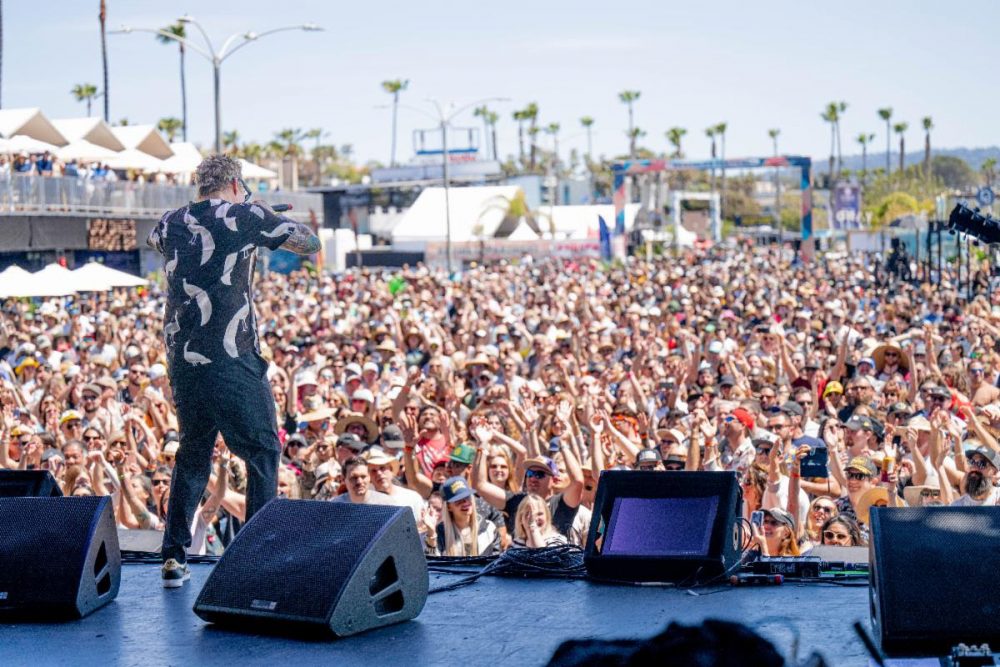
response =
{"points": [[12, 275], [53, 280], [131, 158], [81, 149], [21, 142], [251, 170], [95, 277]]}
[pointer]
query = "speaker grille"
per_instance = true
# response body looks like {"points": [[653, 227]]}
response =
{"points": [[43, 547], [935, 571], [297, 559]]}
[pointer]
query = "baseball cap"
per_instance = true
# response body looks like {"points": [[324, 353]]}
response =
{"points": [[351, 441], [792, 408], [454, 489], [307, 378], [648, 456], [69, 416], [171, 436], [715, 347], [363, 395], [392, 437], [781, 516], [156, 371], [744, 417], [859, 422], [543, 463], [990, 455], [863, 464], [833, 388], [727, 381], [867, 360], [462, 453], [171, 447]]}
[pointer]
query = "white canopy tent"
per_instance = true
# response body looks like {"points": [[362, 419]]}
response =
{"points": [[30, 122], [476, 212], [143, 138], [185, 159], [255, 171], [81, 149], [22, 142], [95, 277], [90, 128], [12, 278], [131, 158], [53, 280]]}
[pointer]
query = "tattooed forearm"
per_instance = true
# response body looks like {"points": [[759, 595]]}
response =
{"points": [[302, 241]]}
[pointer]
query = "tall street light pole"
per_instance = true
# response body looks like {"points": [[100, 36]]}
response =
{"points": [[229, 47], [444, 119]]}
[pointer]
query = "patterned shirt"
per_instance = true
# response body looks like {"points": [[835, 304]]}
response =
{"points": [[210, 249]]}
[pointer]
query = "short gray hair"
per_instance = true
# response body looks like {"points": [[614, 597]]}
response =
{"points": [[216, 172]]}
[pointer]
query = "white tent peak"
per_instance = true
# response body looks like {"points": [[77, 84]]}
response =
{"points": [[96, 277], [89, 128], [476, 211], [30, 122], [143, 138]]}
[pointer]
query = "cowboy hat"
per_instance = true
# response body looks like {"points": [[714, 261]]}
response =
{"points": [[371, 429], [879, 355]]}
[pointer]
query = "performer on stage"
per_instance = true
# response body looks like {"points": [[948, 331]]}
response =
{"points": [[213, 352]]}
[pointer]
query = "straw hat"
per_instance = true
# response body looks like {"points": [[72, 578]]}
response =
{"points": [[879, 355], [371, 429], [878, 496]]}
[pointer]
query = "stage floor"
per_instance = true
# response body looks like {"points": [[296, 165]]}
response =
{"points": [[498, 621]]}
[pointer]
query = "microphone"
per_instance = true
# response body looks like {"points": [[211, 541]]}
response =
{"points": [[281, 208]]}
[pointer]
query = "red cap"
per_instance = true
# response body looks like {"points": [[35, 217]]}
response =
{"points": [[744, 417]]}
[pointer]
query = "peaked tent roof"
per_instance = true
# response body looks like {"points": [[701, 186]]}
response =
{"points": [[185, 159], [30, 122], [53, 280], [90, 128], [470, 208], [143, 138], [96, 277]]}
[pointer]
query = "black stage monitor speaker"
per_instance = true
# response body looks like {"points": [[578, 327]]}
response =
{"points": [[312, 565], [59, 557], [664, 526], [19, 483], [933, 578]]}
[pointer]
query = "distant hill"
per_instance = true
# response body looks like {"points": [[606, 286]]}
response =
{"points": [[973, 156]]}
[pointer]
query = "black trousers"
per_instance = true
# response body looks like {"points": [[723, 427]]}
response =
{"points": [[234, 400]]}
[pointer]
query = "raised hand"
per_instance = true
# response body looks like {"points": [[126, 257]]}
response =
{"points": [[483, 434]]}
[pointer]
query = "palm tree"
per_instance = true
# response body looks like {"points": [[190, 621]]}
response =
{"points": [[710, 132], [588, 123], [102, 16], [170, 126], [230, 141], [629, 97], [773, 133], [864, 139], [841, 108], [900, 129], [830, 116], [484, 112], [394, 87], [886, 115], [552, 129], [520, 118], [491, 120], [84, 92], [989, 169], [720, 129], [928, 124], [289, 139], [177, 29], [531, 115], [315, 133], [674, 136]]}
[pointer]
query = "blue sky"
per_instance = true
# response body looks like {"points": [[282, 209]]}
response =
{"points": [[753, 64]]}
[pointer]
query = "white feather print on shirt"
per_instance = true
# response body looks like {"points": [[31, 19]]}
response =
{"points": [[281, 230], [202, 298], [171, 266], [199, 232], [258, 211], [221, 213], [239, 321], [171, 330], [230, 263], [194, 358]]}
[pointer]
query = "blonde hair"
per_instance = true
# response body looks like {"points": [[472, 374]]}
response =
{"points": [[453, 545], [526, 509], [513, 484], [284, 474]]}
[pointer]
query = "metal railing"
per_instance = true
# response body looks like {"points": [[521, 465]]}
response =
{"points": [[41, 195]]}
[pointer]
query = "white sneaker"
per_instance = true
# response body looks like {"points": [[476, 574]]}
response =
{"points": [[174, 574]]}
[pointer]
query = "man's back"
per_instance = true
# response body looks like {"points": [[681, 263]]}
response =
{"points": [[209, 250]]}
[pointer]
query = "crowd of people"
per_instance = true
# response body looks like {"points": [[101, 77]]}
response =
{"points": [[490, 402], [44, 163]]}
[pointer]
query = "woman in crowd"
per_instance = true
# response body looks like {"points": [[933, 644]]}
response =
{"points": [[461, 531], [533, 524]]}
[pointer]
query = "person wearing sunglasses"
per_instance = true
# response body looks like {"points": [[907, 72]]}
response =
{"points": [[979, 482], [213, 351], [841, 531], [980, 389]]}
